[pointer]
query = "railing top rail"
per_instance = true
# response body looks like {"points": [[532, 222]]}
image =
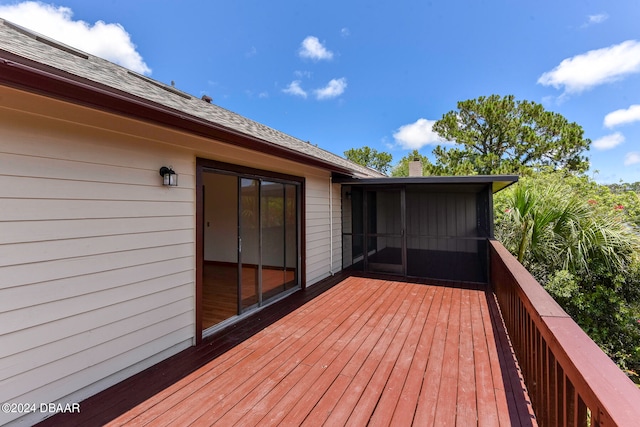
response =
{"points": [[535, 296], [602, 385]]}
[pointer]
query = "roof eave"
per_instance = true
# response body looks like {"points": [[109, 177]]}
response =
{"points": [[498, 182], [25, 74]]}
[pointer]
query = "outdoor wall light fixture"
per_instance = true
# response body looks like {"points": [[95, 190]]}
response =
{"points": [[169, 177]]}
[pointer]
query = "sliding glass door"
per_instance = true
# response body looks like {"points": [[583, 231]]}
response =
{"points": [[251, 242]]}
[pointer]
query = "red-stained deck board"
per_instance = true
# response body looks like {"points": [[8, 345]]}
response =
{"points": [[406, 408], [157, 406], [392, 393], [466, 409], [302, 394], [426, 408], [487, 407], [518, 408], [367, 351], [500, 397], [324, 348], [387, 321], [447, 397], [371, 397], [286, 343]]}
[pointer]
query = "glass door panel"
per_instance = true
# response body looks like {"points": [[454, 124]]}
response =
{"points": [[291, 236], [249, 242], [272, 201], [220, 254]]}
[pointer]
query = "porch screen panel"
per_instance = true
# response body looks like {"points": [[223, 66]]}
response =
{"points": [[442, 235], [384, 231], [352, 228]]}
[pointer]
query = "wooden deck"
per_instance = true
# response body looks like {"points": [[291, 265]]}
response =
{"points": [[365, 352]]}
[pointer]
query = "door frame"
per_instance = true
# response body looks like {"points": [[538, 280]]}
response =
{"points": [[203, 165]]}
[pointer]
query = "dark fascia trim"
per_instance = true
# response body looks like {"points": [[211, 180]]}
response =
{"points": [[498, 182], [31, 76]]}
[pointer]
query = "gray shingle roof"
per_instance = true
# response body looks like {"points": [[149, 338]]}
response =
{"points": [[43, 50]]}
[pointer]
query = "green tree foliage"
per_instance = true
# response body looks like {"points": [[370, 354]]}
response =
{"points": [[625, 194], [579, 239], [622, 187], [501, 135], [371, 158]]}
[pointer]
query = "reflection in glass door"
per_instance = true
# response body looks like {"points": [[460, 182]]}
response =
{"points": [[249, 242], [279, 237], [291, 237]]}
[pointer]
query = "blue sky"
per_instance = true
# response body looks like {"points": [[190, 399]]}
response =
{"points": [[356, 73]]}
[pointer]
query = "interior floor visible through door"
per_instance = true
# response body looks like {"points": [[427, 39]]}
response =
{"points": [[219, 290]]}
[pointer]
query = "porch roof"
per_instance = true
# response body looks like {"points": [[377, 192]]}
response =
{"points": [[498, 182]]}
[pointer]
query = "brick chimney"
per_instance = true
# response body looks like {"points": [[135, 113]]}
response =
{"points": [[415, 167]]}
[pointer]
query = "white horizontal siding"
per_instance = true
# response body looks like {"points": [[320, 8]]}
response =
{"points": [[97, 258], [47, 230], [50, 369], [34, 294], [28, 359], [318, 224], [94, 374], [38, 251], [53, 210], [116, 299]]}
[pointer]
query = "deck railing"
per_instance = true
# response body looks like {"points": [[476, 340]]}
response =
{"points": [[571, 382]]}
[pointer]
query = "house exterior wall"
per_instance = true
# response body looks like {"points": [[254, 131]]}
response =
{"points": [[97, 258]]}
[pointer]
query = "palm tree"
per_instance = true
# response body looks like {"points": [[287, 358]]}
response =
{"points": [[549, 225]]}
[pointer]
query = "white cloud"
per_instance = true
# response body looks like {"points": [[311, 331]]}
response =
{"points": [[595, 67], [312, 48], [608, 142], [596, 19], [333, 89], [345, 32], [621, 117], [416, 135], [302, 74], [295, 89], [632, 158], [108, 41]]}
